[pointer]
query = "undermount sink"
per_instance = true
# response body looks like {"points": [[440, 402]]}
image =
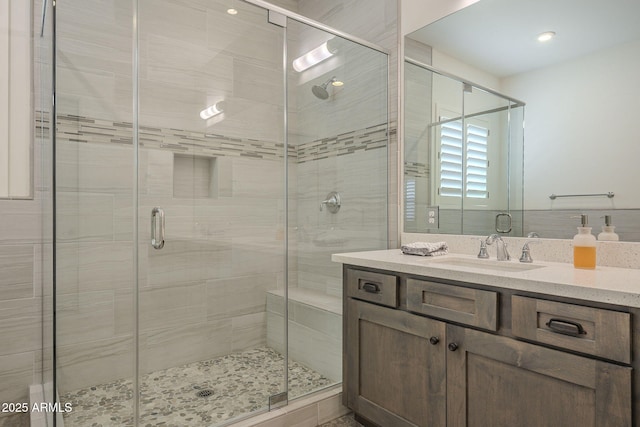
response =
{"points": [[508, 266]]}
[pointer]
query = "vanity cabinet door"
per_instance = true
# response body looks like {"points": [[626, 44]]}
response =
{"points": [[501, 382], [395, 366]]}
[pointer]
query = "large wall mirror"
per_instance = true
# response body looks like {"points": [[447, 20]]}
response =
{"points": [[582, 95]]}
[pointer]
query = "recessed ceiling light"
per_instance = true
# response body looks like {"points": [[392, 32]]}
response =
{"points": [[232, 11], [546, 36], [337, 83]]}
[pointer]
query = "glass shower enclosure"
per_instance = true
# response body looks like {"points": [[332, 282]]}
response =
{"points": [[463, 159], [206, 167]]}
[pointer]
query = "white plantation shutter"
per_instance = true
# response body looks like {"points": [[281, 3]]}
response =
{"points": [[477, 161], [451, 160], [410, 200]]}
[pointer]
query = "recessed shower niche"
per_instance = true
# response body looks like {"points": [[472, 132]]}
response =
{"points": [[201, 177]]}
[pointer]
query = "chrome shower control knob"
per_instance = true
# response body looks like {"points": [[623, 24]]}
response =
{"points": [[332, 202]]}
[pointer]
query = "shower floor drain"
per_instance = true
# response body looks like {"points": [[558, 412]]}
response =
{"points": [[204, 393]]}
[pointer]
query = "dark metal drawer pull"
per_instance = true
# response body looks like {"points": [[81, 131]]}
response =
{"points": [[372, 288], [566, 327]]}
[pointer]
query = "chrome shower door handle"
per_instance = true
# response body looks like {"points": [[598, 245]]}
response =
{"points": [[157, 233]]}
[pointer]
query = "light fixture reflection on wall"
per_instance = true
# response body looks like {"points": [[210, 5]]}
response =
{"points": [[212, 110], [316, 56], [546, 36], [231, 10]]}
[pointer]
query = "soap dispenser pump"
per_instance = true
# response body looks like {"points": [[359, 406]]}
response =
{"points": [[607, 230], [584, 246]]}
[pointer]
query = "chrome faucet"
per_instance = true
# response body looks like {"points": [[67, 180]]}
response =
{"points": [[502, 254], [526, 251]]}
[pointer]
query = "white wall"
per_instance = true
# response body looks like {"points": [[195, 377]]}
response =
{"points": [[581, 134], [454, 66], [418, 13], [15, 96]]}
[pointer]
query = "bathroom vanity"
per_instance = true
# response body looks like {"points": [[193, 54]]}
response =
{"points": [[448, 341]]}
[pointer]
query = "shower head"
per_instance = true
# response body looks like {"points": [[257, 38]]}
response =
{"points": [[321, 92]]}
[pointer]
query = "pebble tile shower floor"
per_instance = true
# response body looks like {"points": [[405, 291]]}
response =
{"points": [[240, 383]]}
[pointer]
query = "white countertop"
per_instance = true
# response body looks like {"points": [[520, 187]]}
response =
{"points": [[612, 285]]}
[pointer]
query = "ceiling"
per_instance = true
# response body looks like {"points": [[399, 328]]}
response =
{"points": [[500, 36]]}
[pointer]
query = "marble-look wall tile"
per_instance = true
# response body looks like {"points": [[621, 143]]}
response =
{"points": [[237, 296], [171, 346], [94, 362], [93, 266], [21, 222], [17, 266], [377, 22], [360, 224], [16, 374], [20, 325], [249, 331], [85, 316], [173, 306], [314, 334], [84, 216]]}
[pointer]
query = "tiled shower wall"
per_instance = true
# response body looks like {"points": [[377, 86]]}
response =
{"points": [[25, 260], [366, 220], [378, 22], [204, 293], [21, 301]]}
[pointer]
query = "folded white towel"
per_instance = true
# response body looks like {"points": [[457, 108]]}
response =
{"points": [[425, 248]]}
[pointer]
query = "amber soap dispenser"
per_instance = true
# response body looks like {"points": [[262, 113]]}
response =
{"points": [[584, 246]]}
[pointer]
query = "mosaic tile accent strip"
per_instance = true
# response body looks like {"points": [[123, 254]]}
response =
{"points": [[418, 170], [87, 130], [239, 384], [370, 138], [81, 129]]}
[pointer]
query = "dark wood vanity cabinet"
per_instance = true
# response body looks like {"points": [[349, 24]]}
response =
{"points": [[438, 354], [396, 366], [501, 382]]}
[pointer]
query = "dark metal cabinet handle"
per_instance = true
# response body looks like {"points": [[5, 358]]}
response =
{"points": [[452, 346], [566, 327], [434, 340], [372, 288]]}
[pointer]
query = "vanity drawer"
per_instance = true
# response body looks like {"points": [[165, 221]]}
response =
{"points": [[599, 332], [375, 287], [473, 307]]}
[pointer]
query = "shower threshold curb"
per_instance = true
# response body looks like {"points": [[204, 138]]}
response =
{"points": [[328, 404]]}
